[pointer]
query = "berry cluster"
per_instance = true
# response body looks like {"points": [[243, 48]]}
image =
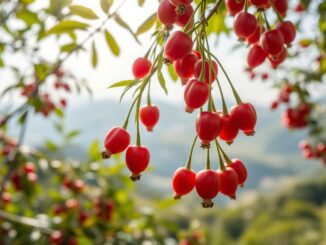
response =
{"points": [[265, 41], [310, 151], [197, 67]]}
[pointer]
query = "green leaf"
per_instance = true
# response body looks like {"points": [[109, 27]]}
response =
{"points": [[59, 112], [50, 145], [162, 81], [141, 3], [27, 16], [68, 47], [67, 26], [106, 5], [82, 11], [72, 134], [172, 73], [123, 83], [94, 55], [94, 151], [147, 24], [124, 24], [112, 43]]}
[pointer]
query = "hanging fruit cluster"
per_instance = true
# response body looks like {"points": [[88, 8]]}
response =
{"points": [[188, 50]]}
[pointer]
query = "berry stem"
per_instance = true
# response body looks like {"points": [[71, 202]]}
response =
{"points": [[149, 102], [191, 152], [225, 108], [222, 166], [138, 141], [246, 6], [125, 125], [208, 162], [225, 156], [266, 20], [210, 70]]}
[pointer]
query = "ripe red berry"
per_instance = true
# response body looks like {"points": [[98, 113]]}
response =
{"points": [[196, 95], [281, 6], [261, 4], [254, 38], [279, 59], [56, 237], [166, 13], [234, 6], [208, 127], [274, 105], [246, 117], [149, 116], [180, 2], [210, 69], [228, 182], [207, 186], [240, 169], [229, 129], [137, 160], [256, 56], [272, 42], [288, 31], [245, 25], [116, 141], [59, 73], [183, 182], [299, 8], [141, 68], [63, 102], [185, 67], [178, 46], [183, 19], [29, 168]]}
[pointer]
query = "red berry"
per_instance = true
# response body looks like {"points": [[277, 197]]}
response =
{"points": [[79, 185], [207, 186], [183, 19], [196, 94], [279, 59], [254, 38], [166, 13], [304, 145], [229, 129], [32, 177], [261, 4], [274, 105], [234, 6], [109, 208], [208, 127], [178, 46], [228, 182], [256, 56], [288, 31], [116, 141], [72, 241], [245, 25], [59, 73], [264, 76], [29, 168], [83, 216], [185, 67], [299, 8], [281, 6], [272, 42], [63, 102], [149, 115], [180, 2], [321, 148], [141, 68], [6, 197], [240, 169], [28, 89], [210, 69], [183, 182], [71, 204], [246, 117], [56, 237], [137, 160]]}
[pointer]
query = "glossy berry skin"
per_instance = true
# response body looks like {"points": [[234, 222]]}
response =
{"points": [[234, 6], [245, 116], [208, 127], [149, 116], [228, 182], [196, 95], [288, 31], [166, 13], [116, 141], [183, 19], [244, 25], [240, 169], [183, 182], [281, 6], [180, 2], [254, 38], [272, 42], [279, 59], [261, 4], [207, 186], [229, 129], [137, 160], [185, 66], [213, 71], [256, 56], [141, 68], [178, 46]]}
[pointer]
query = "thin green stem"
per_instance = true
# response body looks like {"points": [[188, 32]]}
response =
{"points": [[149, 102], [225, 156], [220, 159], [266, 21], [125, 125], [191, 153], [224, 106], [208, 162]]}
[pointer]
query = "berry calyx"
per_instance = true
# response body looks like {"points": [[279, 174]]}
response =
{"points": [[207, 185], [228, 182], [241, 171], [137, 160], [208, 127], [178, 46], [141, 68], [246, 117], [196, 95], [149, 116], [244, 25], [183, 19], [211, 70], [183, 182], [116, 141]]}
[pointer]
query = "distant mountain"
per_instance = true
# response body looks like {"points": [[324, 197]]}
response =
{"points": [[271, 154]]}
